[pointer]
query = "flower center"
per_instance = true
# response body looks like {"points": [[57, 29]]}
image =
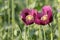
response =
{"points": [[44, 18], [29, 17]]}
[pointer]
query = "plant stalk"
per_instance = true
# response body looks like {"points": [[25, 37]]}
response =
{"points": [[12, 18]]}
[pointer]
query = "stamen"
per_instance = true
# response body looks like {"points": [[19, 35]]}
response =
{"points": [[29, 17], [45, 17]]}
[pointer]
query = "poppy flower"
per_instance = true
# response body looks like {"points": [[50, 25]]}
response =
{"points": [[28, 16], [45, 17]]}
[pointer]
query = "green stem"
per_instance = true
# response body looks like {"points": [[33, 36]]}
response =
{"points": [[8, 11], [51, 35], [40, 34], [58, 22], [59, 30], [51, 32], [25, 32], [12, 17], [29, 37], [44, 34], [3, 25], [59, 33], [28, 33], [20, 36]]}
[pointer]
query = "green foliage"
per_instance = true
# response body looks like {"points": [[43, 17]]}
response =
{"points": [[14, 29]]}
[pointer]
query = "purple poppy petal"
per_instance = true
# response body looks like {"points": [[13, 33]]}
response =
{"points": [[25, 12], [44, 22], [48, 10], [39, 21], [33, 12], [37, 18], [45, 17]]}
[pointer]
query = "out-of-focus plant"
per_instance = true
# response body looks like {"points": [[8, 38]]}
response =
{"points": [[35, 31]]}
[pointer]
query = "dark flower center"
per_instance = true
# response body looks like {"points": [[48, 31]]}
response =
{"points": [[29, 17], [26, 14], [44, 18]]}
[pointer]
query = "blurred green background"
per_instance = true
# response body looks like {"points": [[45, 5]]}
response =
{"points": [[12, 27]]}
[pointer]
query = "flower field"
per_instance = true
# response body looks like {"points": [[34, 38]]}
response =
{"points": [[29, 19]]}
